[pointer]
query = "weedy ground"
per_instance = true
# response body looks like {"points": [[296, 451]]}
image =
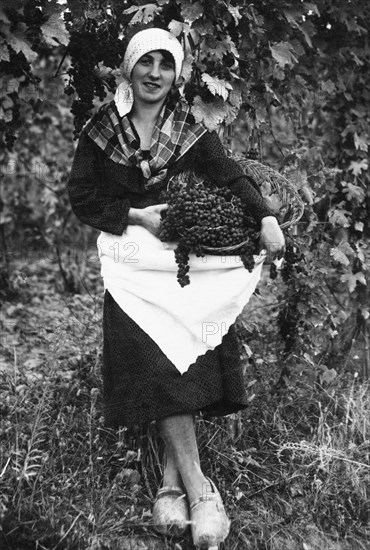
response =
{"points": [[293, 469]]}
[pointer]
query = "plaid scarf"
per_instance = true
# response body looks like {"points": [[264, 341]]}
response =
{"points": [[174, 133]]}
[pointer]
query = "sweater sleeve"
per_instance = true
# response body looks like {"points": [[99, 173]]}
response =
{"points": [[224, 171], [86, 187]]}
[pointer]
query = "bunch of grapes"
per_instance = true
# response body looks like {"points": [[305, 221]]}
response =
{"points": [[83, 49], [290, 318], [292, 257], [203, 218], [89, 46]]}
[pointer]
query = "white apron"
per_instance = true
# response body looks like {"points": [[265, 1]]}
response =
{"points": [[140, 272]]}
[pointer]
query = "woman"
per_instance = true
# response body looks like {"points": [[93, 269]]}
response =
{"points": [[157, 365]]}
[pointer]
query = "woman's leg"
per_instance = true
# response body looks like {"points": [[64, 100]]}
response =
{"points": [[178, 433], [170, 510], [209, 522], [171, 474]]}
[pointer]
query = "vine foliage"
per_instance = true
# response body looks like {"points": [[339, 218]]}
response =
{"points": [[289, 78]]}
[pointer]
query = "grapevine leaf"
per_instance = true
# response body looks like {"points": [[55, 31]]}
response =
{"points": [[282, 52], [192, 12], [217, 86], [218, 48], [4, 17], [6, 116], [9, 85], [278, 73], [176, 27], [338, 217], [307, 194], [361, 142], [18, 41], [345, 248], [231, 113], [354, 192], [273, 94], [203, 27], [300, 181], [187, 66], [308, 31], [231, 47], [339, 256], [92, 13], [54, 31], [143, 14], [131, 9], [294, 15], [310, 6], [235, 95], [235, 13], [7, 103], [52, 7], [365, 313], [213, 48], [4, 52], [352, 279], [210, 114], [359, 226], [357, 167], [360, 254]]}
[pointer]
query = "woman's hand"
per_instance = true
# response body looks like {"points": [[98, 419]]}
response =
{"points": [[272, 239], [149, 217]]}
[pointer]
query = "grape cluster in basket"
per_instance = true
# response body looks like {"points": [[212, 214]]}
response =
{"points": [[205, 219]]}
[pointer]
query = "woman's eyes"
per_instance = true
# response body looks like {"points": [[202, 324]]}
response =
{"points": [[145, 61], [165, 65], [168, 66]]}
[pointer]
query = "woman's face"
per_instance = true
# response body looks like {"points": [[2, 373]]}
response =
{"points": [[152, 77]]}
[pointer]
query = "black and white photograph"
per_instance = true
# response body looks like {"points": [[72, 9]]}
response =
{"points": [[184, 275]]}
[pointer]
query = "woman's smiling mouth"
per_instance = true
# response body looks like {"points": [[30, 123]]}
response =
{"points": [[152, 85]]}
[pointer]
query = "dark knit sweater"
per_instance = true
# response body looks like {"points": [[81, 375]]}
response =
{"points": [[102, 191]]}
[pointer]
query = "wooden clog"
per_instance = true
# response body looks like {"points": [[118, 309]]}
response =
{"points": [[170, 511], [209, 522]]}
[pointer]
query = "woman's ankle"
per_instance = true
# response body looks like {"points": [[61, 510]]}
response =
{"points": [[172, 478], [196, 483]]}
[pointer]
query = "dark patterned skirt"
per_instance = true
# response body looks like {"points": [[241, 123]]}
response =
{"points": [[141, 384]]}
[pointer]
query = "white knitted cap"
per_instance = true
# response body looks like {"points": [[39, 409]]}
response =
{"points": [[150, 40]]}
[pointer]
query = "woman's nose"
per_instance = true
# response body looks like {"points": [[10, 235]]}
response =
{"points": [[154, 70]]}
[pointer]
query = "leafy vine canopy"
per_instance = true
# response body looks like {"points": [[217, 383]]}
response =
{"points": [[305, 62], [293, 75], [240, 56]]}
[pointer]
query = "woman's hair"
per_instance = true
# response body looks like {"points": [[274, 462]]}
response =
{"points": [[168, 57]]}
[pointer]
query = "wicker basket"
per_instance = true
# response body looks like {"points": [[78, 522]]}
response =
{"points": [[279, 194]]}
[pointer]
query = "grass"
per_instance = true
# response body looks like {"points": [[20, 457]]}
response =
{"points": [[294, 469]]}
